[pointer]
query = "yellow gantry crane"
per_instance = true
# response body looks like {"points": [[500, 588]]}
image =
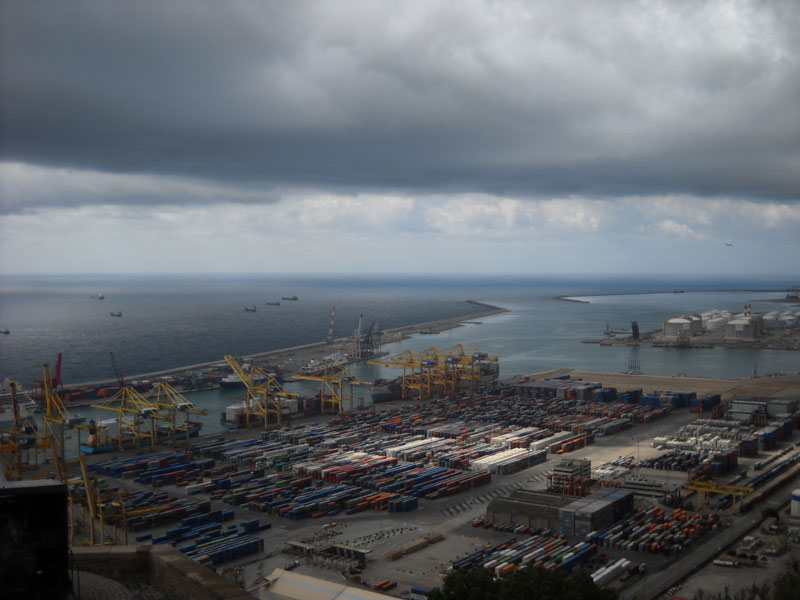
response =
{"points": [[170, 403], [99, 517], [409, 362], [439, 372], [704, 488], [473, 365], [264, 394], [24, 447], [57, 418], [136, 420], [337, 389]]}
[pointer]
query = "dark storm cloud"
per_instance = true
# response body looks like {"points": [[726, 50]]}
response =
{"points": [[523, 99]]}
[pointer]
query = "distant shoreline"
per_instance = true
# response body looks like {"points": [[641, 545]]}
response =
{"points": [[573, 298]]}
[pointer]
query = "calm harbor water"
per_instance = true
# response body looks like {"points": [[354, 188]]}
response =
{"points": [[173, 321]]}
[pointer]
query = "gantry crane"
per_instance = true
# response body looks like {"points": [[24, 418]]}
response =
{"points": [[264, 394], [704, 488], [170, 402], [408, 361], [434, 372], [336, 391], [57, 418], [24, 447], [471, 365], [136, 420], [100, 516]]}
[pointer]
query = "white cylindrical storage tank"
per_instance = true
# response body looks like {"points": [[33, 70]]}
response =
{"points": [[796, 503]]}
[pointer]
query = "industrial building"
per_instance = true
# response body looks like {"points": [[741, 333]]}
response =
{"points": [[574, 467], [684, 326], [529, 508], [593, 512], [713, 320], [746, 327], [781, 319], [287, 585]]}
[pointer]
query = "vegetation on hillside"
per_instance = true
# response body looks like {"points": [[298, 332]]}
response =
{"points": [[522, 584], [785, 587]]}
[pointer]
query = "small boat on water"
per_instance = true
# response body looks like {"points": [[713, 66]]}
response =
{"points": [[5, 331], [99, 296], [250, 308], [273, 303], [116, 314], [289, 298]]}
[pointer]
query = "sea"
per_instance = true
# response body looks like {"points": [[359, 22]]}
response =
{"points": [[169, 321]]}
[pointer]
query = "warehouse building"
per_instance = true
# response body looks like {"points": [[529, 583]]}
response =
{"points": [[581, 516], [528, 507], [285, 585]]}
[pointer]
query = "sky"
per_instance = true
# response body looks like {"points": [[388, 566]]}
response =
{"points": [[399, 136]]}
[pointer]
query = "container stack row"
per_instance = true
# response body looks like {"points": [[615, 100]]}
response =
{"points": [[652, 530], [605, 575], [510, 461], [541, 549], [225, 548]]}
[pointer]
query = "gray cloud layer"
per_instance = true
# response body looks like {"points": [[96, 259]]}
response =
{"points": [[515, 98]]}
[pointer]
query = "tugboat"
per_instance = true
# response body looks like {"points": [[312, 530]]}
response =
{"points": [[116, 314]]}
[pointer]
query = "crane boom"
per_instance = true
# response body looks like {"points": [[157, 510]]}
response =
{"points": [[237, 368], [117, 373], [13, 387]]}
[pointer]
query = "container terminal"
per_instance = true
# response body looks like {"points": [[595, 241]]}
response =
{"points": [[637, 480]]}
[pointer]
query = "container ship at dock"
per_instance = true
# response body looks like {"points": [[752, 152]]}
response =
{"points": [[25, 404]]}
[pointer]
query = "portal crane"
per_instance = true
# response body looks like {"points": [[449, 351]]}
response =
{"points": [[408, 361], [23, 446], [57, 418], [264, 394], [171, 402], [136, 419], [435, 371], [336, 390], [704, 488]]}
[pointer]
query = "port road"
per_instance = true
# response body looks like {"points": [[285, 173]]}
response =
{"points": [[653, 585]]}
